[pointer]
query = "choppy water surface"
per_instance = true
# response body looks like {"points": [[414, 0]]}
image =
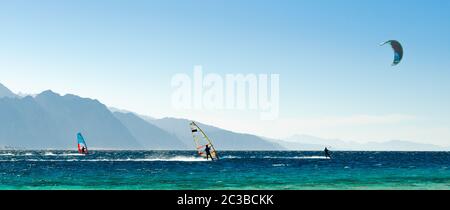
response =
{"points": [[235, 170]]}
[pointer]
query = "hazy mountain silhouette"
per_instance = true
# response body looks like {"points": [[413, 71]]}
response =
{"points": [[5, 92], [148, 135], [223, 139], [24, 123], [52, 121], [305, 142]]}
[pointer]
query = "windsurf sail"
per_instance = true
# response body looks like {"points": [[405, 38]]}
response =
{"points": [[201, 141], [82, 147]]}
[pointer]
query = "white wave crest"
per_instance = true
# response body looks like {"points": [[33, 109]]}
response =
{"points": [[296, 157], [311, 157], [72, 154], [149, 159]]}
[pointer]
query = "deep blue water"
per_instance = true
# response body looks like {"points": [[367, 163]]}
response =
{"points": [[235, 170]]}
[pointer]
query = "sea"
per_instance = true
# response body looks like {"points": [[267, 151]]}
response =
{"points": [[236, 170]]}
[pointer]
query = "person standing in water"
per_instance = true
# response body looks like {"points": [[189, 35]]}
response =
{"points": [[327, 153], [208, 152], [83, 150]]}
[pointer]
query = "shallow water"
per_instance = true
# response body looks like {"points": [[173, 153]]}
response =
{"points": [[235, 170]]}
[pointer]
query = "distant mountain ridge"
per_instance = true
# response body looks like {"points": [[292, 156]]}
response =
{"points": [[306, 142], [223, 139], [148, 135], [5, 92], [51, 121]]}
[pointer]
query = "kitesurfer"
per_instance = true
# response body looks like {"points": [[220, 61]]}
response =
{"points": [[208, 152], [327, 153]]}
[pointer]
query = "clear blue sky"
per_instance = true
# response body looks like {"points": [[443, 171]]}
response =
{"points": [[336, 81]]}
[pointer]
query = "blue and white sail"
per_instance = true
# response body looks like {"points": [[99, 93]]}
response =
{"points": [[82, 147]]}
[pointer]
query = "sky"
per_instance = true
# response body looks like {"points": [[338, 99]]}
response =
{"points": [[335, 79]]}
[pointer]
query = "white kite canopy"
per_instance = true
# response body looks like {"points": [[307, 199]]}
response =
{"points": [[201, 140]]}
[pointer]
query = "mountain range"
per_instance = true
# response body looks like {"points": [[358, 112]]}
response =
{"points": [[224, 139], [5, 92], [50, 121], [306, 142]]}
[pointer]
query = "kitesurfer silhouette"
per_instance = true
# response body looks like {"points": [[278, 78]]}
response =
{"points": [[327, 153]]}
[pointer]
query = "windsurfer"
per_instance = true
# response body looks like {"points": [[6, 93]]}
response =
{"points": [[208, 152], [82, 148]]}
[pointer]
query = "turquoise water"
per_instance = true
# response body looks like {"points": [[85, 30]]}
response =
{"points": [[235, 170]]}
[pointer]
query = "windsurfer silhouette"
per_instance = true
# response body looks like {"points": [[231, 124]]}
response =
{"points": [[208, 152]]}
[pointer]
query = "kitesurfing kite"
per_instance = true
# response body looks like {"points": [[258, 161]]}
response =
{"points": [[82, 147], [398, 51], [202, 143]]}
